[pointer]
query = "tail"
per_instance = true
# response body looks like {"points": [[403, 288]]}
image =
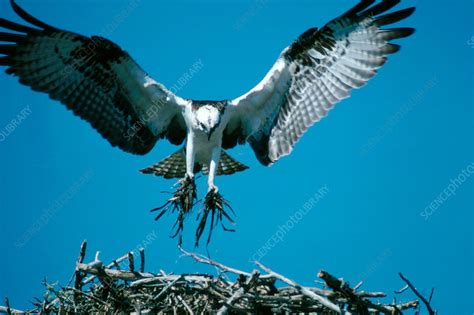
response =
{"points": [[174, 166], [227, 165]]}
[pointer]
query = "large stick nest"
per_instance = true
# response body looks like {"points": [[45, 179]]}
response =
{"points": [[118, 287]]}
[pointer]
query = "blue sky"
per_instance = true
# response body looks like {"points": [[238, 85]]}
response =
{"points": [[382, 157]]}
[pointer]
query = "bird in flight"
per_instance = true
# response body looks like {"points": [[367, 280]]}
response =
{"points": [[102, 84]]}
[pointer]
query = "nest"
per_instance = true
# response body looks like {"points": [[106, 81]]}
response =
{"points": [[120, 287]]}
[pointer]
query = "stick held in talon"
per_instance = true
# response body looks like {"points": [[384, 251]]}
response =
{"points": [[182, 202], [214, 205]]}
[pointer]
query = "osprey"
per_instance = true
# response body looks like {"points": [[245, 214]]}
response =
{"points": [[103, 85]]}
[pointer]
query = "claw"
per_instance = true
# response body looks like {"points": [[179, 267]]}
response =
{"points": [[182, 201], [215, 205]]}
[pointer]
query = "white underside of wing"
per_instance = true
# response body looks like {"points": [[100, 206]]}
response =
{"points": [[265, 88], [154, 104], [260, 105]]}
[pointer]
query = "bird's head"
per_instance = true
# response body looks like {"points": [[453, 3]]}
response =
{"points": [[207, 119]]}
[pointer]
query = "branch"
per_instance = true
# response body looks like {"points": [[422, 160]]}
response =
{"points": [[303, 290], [80, 259], [249, 284], [142, 260], [421, 297], [8, 310], [131, 289], [131, 262], [208, 261]]}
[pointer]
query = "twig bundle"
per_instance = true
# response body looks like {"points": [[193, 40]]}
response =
{"points": [[119, 287]]}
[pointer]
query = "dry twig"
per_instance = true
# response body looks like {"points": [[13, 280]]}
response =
{"points": [[100, 288]]}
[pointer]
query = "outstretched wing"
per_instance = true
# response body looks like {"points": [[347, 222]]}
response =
{"points": [[95, 79], [311, 75]]}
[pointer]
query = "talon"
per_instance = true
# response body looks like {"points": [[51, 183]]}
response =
{"points": [[182, 202], [213, 189]]}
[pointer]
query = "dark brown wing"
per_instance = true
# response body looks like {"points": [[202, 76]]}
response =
{"points": [[95, 79]]}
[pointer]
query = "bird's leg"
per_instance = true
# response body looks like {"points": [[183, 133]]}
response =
{"points": [[187, 184], [190, 156], [183, 198], [216, 154], [214, 203]]}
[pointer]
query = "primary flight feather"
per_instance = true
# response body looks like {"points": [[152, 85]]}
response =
{"points": [[103, 85]]}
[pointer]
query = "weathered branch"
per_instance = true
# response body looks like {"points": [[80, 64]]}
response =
{"points": [[208, 261], [303, 290], [419, 295], [112, 288], [142, 260]]}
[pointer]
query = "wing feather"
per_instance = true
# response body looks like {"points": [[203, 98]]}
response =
{"points": [[317, 71], [95, 79]]}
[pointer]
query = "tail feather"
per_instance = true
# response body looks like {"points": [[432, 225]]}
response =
{"points": [[227, 165], [174, 166]]}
